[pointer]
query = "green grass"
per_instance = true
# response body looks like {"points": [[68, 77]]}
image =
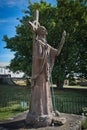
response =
{"points": [[76, 87], [15, 91], [13, 100], [84, 124], [70, 100], [6, 115], [11, 111], [71, 93]]}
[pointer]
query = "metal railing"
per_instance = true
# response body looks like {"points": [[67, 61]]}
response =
{"points": [[62, 104], [73, 105]]}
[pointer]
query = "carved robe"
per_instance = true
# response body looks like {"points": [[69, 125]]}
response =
{"points": [[43, 61]]}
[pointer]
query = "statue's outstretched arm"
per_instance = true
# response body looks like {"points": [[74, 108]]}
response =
{"points": [[32, 25], [61, 43]]}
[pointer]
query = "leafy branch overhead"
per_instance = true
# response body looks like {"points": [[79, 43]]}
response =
{"points": [[67, 15]]}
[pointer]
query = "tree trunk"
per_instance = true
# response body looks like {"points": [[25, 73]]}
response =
{"points": [[60, 84]]}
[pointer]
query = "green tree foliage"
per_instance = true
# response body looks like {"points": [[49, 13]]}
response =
{"points": [[73, 59], [69, 15]]}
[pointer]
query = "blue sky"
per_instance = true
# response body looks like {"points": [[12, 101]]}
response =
{"points": [[10, 10]]}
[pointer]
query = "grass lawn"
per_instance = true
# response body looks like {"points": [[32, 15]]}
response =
{"points": [[20, 82], [76, 87], [6, 115], [84, 124], [15, 99], [72, 91]]}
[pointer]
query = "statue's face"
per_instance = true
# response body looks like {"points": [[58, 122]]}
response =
{"points": [[41, 30]]}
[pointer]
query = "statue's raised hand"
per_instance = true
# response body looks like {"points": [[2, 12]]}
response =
{"points": [[61, 42], [64, 33]]}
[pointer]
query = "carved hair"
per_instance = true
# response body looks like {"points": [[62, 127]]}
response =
{"points": [[41, 30]]}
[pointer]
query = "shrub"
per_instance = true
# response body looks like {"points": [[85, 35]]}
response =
{"points": [[84, 124], [85, 111]]}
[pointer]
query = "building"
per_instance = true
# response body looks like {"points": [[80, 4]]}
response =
{"points": [[5, 71]]}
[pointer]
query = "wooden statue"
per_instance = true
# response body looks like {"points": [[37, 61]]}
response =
{"points": [[41, 109]]}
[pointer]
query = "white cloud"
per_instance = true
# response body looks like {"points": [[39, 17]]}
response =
{"points": [[7, 56], [3, 21], [8, 20], [12, 3]]}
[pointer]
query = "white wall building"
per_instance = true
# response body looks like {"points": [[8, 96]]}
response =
{"points": [[5, 71]]}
